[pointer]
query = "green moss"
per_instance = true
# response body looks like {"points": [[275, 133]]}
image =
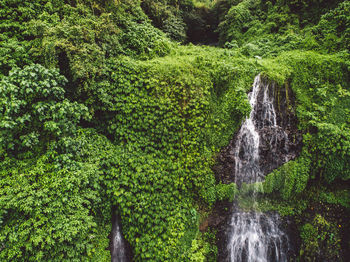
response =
{"points": [[320, 238], [290, 179], [308, 234], [341, 197]]}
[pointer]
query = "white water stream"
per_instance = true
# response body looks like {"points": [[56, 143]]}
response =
{"points": [[253, 236], [118, 252]]}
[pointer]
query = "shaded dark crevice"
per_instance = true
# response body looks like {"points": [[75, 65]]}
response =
{"points": [[65, 70], [201, 27], [185, 22]]}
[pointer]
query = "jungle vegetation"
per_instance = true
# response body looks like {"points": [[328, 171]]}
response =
{"points": [[126, 103]]}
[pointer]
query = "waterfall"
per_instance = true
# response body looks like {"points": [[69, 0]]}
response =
{"points": [[118, 248], [255, 236]]}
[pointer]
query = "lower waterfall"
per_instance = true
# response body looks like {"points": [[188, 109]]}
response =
{"points": [[119, 252], [254, 236], [257, 237]]}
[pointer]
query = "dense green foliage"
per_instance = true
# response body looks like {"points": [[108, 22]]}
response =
{"points": [[266, 28], [159, 113], [34, 110], [320, 232], [184, 21], [54, 206], [99, 108]]}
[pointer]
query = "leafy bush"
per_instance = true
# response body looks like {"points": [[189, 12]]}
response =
{"points": [[78, 43], [236, 19], [308, 234], [33, 109], [341, 197], [175, 28], [169, 16], [14, 38], [267, 28], [226, 191], [142, 40], [322, 97]]}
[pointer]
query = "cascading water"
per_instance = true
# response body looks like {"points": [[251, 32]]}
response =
{"points": [[254, 236], [118, 248], [257, 237]]}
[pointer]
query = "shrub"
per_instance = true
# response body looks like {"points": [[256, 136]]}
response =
{"points": [[54, 207], [33, 109], [143, 41]]}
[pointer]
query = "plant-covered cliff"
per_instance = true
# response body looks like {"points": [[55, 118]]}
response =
{"points": [[109, 104]]}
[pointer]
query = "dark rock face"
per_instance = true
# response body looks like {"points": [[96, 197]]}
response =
{"points": [[218, 220], [221, 211], [287, 141]]}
